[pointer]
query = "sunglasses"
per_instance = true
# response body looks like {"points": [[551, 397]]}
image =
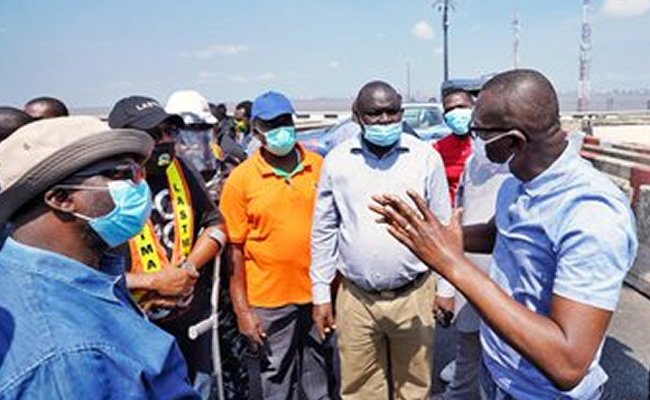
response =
{"points": [[158, 132], [130, 171]]}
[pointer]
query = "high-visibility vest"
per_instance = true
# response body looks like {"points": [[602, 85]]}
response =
{"points": [[147, 253]]}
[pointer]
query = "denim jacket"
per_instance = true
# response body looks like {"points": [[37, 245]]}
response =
{"points": [[68, 331]]}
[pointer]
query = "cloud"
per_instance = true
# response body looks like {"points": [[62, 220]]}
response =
{"points": [[264, 77], [626, 8], [333, 64], [422, 30], [216, 50]]}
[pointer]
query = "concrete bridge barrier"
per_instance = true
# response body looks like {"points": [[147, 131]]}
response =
{"points": [[629, 167]]}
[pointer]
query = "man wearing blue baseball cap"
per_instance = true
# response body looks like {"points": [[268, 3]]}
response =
{"points": [[268, 202]]}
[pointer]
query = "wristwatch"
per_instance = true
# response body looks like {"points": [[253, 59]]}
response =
{"points": [[189, 265]]}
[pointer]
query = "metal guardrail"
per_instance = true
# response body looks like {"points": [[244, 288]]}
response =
{"points": [[587, 119], [319, 119]]}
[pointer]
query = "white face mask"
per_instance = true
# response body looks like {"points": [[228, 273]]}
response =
{"points": [[480, 152]]}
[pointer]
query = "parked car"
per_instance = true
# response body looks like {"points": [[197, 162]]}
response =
{"points": [[426, 119]]}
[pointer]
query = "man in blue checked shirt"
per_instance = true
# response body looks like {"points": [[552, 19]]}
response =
{"points": [[563, 238]]}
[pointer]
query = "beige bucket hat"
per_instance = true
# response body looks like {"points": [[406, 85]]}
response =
{"points": [[43, 153]]}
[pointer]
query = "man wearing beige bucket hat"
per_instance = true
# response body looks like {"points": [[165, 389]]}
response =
{"points": [[71, 190]]}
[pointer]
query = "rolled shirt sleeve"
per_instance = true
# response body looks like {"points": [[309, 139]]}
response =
{"points": [[445, 289]]}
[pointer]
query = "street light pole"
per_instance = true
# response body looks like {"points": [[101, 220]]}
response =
{"points": [[443, 6], [408, 80]]}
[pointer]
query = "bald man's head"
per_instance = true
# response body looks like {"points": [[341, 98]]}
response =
{"points": [[11, 119], [377, 95], [523, 99], [46, 107]]}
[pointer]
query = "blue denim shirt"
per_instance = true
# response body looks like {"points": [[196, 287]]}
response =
{"points": [[68, 331], [568, 232]]}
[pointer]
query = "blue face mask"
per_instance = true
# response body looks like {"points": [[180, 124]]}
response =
{"points": [[280, 141], [458, 120], [383, 135], [132, 207]]}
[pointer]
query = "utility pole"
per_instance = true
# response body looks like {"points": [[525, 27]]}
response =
{"points": [[515, 46], [444, 6], [584, 80], [408, 80]]}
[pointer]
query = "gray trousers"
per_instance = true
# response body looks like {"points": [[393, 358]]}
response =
{"points": [[294, 362], [464, 385]]}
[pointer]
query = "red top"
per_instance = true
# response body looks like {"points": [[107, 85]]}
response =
{"points": [[454, 151]]}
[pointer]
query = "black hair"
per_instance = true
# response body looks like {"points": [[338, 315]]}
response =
{"points": [[246, 105], [57, 107], [457, 90], [11, 119], [531, 94]]}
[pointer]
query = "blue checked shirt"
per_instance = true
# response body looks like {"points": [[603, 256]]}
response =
{"points": [[345, 234], [68, 331], [568, 232]]}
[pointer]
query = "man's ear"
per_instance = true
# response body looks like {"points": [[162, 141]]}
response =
{"points": [[520, 139], [256, 130], [59, 200]]}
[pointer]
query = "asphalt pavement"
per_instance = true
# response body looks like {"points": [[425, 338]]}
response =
{"points": [[626, 354]]}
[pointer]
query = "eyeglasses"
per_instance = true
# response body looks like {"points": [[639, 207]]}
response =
{"points": [[376, 114], [481, 132], [391, 112]]}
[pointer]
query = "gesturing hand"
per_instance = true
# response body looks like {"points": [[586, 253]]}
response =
{"points": [[436, 244]]}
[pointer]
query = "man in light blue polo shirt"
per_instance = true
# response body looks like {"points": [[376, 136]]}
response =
{"points": [[383, 305], [563, 239]]}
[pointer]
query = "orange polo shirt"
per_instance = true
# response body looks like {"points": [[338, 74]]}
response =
{"points": [[271, 216]]}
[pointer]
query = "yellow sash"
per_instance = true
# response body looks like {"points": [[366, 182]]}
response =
{"points": [[147, 253]]}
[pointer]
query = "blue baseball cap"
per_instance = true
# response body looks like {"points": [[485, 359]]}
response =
{"points": [[270, 105]]}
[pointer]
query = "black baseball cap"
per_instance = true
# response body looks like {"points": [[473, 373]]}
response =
{"points": [[140, 112]]}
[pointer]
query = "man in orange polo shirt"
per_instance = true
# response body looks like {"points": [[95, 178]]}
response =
{"points": [[267, 203]]}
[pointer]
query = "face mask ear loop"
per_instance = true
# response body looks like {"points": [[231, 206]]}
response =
{"points": [[80, 216], [520, 134]]}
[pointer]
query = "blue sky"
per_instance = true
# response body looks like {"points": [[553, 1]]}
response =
{"points": [[90, 53]]}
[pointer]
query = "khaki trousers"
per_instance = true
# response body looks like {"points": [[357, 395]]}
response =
{"points": [[371, 328]]}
